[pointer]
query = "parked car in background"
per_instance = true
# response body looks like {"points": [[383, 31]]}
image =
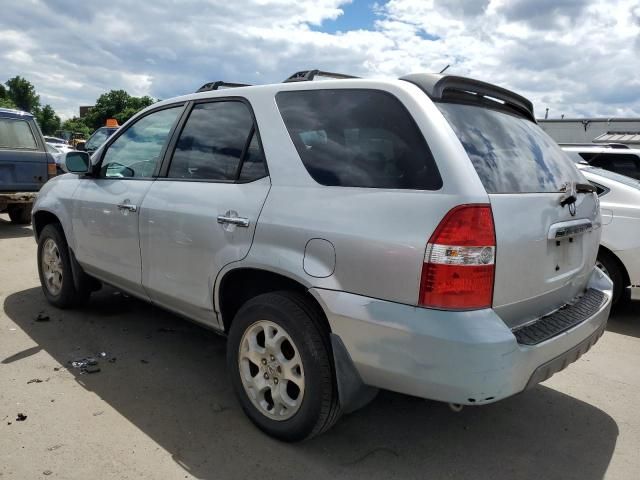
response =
{"points": [[614, 157], [345, 235], [25, 164], [98, 137], [619, 254]]}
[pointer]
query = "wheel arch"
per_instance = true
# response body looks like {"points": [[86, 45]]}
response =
{"points": [[623, 268], [238, 285], [41, 219]]}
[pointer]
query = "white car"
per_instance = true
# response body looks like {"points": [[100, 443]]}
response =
{"points": [[619, 254]]}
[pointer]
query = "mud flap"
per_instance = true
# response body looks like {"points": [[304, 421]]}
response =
{"points": [[352, 392]]}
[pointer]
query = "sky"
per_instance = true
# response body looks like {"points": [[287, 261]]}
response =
{"points": [[575, 57]]}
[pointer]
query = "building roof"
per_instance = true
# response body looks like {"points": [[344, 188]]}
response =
{"points": [[618, 137]]}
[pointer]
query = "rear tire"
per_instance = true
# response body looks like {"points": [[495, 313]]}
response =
{"points": [[19, 213], [54, 269], [610, 265], [279, 407]]}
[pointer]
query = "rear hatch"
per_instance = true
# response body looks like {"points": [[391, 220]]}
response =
{"points": [[546, 243], [23, 162]]}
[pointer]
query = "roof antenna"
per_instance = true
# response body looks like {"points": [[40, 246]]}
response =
{"points": [[546, 114], [444, 69]]}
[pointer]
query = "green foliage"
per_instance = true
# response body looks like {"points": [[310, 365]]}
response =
{"points": [[5, 101], [23, 94], [116, 104], [19, 93], [48, 120], [77, 125]]}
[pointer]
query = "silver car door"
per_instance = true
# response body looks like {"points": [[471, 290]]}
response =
{"points": [[106, 206], [201, 216]]}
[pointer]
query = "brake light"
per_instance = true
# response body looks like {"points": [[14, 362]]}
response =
{"points": [[459, 263]]}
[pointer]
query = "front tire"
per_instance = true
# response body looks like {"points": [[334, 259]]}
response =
{"points": [[279, 360], [19, 214], [54, 269]]}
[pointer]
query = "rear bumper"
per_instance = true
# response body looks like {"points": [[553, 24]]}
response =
{"points": [[468, 358], [18, 197]]}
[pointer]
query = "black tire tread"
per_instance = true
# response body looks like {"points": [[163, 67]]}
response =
{"points": [[307, 317]]}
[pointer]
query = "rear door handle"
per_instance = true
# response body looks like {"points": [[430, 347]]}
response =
{"points": [[127, 206], [238, 221]]}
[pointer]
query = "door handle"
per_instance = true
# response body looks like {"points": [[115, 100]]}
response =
{"points": [[238, 221], [127, 206]]}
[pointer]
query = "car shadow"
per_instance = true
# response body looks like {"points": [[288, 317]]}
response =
{"points": [[625, 319], [169, 379], [11, 230]]}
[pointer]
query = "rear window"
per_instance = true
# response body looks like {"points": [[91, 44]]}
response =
{"points": [[622, 163], [630, 182], [16, 134], [510, 154], [358, 138]]}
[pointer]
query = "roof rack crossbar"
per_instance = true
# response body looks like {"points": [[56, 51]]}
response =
{"points": [[216, 85], [309, 75]]}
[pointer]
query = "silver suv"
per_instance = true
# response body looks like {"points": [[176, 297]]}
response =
{"points": [[421, 235]]}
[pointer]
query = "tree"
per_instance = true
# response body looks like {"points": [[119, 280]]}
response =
{"points": [[23, 94], [48, 120], [116, 104], [77, 125], [5, 101]]}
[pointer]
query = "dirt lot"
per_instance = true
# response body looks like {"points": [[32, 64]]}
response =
{"points": [[161, 406]]}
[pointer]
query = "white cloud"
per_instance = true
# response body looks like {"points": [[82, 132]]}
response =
{"points": [[577, 57]]}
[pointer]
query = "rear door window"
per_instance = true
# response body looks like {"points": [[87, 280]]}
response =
{"points": [[16, 134], [218, 143], [511, 154], [358, 138]]}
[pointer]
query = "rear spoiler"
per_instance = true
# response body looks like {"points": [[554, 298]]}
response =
{"points": [[437, 85]]}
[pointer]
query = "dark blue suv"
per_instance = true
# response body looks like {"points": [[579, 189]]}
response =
{"points": [[25, 164]]}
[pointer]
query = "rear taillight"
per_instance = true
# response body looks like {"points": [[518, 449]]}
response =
{"points": [[52, 168], [459, 263]]}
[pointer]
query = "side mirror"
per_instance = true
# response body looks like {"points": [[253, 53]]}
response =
{"points": [[76, 162], [81, 147]]}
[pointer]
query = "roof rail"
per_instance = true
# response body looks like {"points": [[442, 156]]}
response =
{"points": [[309, 75], [437, 86], [621, 146], [216, 85]]}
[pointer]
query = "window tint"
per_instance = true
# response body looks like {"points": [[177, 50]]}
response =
{"points": [[253, 164], [212, 142], [510, 154], [358, 138], [623, 163], [137, 151], [16, 134]]}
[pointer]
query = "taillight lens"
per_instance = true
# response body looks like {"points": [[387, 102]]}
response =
{"points": [[52, 169], [459, 264]]}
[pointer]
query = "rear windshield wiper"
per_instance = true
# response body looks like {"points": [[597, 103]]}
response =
{"points": [[572, 189]]}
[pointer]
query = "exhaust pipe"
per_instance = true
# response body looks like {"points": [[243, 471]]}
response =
{"points": [[456, 407]]}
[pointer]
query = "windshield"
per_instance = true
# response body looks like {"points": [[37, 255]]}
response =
{"points": [[98, 138], [510, 154], [631, 182]]}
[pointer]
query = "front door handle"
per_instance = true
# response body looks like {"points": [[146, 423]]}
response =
{"points": [[229, 220], [127, 206]]}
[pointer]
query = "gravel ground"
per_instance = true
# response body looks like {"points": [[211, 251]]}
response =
{"points": [[161, 405]]}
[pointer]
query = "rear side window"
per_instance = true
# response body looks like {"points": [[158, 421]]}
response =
{"points": [[217, 137], [511, 154], [16, 134], [358, 138], [623, 163]]}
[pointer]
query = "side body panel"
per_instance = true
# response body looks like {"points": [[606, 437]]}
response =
{"points": [[106, 236], [183, 247]]}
